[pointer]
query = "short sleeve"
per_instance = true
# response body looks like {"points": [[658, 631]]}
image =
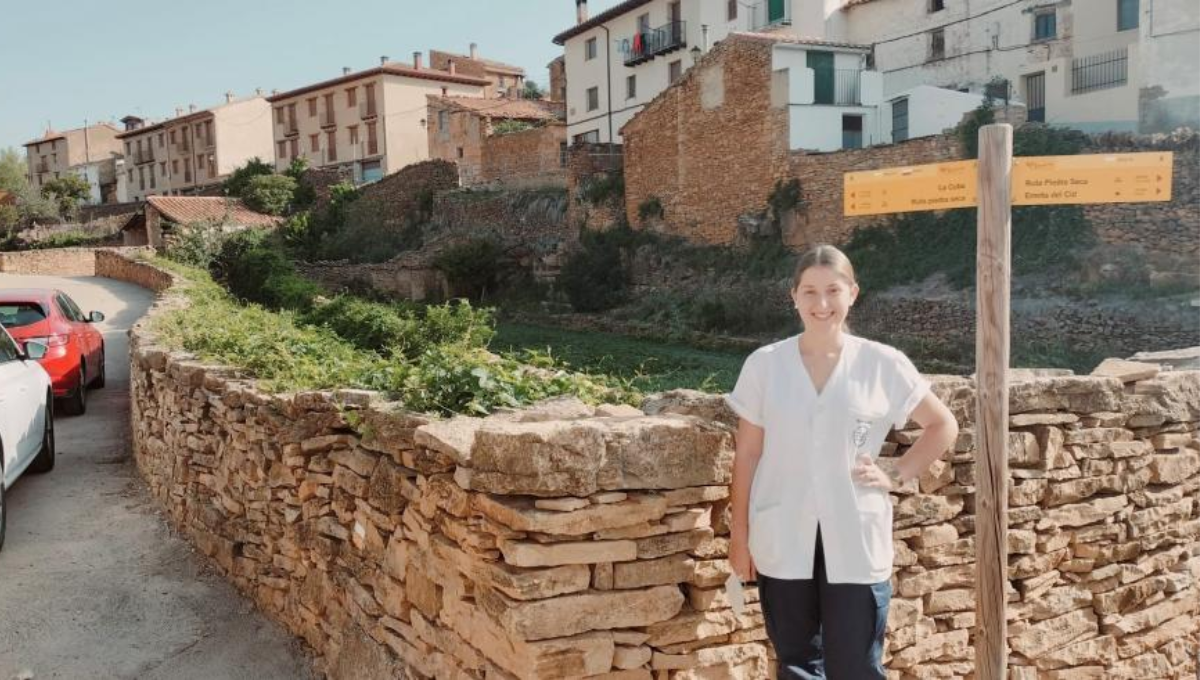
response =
{"points": [[906, 388], [746, 399]]}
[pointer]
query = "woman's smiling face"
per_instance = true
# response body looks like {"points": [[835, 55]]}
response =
{"points": [[823, 298]]}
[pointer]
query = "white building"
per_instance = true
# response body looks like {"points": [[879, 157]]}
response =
{"points": [[620, 59], [1094, 65]]}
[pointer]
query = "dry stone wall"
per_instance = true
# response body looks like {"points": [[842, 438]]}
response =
{"points": [[56, 261], [571, 541]]}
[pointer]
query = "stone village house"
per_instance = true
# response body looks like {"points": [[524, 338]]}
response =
{"points": [[463, 130], [163, 216]]}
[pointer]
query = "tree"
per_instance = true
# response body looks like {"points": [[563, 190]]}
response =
{"points": [[532, 91], [240, 177], [13, 169], [271, 194], [68, 191]]}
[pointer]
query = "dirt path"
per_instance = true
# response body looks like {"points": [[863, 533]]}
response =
{"points": [[92, 582]]}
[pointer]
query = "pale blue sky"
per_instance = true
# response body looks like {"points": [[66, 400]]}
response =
{"points": [[67, 60]]}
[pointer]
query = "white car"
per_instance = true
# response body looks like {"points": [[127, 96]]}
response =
{"points": [[26, 415]]}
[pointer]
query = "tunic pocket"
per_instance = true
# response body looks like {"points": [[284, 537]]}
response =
{"points": [[876, 526], [765, 533]]}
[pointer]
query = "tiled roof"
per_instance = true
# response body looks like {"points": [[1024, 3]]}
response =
{"points": [[610, 13], [489, 64], [54, 134], [520, 109], [389, 68], [781, 37], [188, 209]]}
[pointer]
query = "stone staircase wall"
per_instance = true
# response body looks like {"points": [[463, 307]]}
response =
{"points": [[567, 541]]}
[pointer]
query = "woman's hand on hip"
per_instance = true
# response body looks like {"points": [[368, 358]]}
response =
{"points": [[741, 561], [867, 472]]}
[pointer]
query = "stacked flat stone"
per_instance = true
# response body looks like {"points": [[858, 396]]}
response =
{"points": [[567, 541]]}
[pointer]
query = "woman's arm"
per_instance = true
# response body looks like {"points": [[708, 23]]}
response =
{"points": [[747, 450], [940, 431]]}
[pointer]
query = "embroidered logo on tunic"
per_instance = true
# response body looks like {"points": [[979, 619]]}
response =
{"points": [[859, 436]]}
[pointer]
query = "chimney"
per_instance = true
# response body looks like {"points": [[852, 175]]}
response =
{"points": [[383, 60], [452, 68], [474, 51], [191, 108], [416, 60], [274, 91], [345, 70], [228, 96], [258, 92], [581, 14], [178, 111]]}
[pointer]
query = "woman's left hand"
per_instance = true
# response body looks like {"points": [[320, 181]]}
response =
{"points": [[867, 473]]}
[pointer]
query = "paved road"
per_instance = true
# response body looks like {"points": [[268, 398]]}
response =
{"points": [[92, 582]]}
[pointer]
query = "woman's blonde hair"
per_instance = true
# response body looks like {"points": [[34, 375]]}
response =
{"points": [[824, 255]]}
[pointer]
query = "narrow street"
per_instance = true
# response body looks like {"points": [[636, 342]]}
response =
{"points": [[93, 584]]}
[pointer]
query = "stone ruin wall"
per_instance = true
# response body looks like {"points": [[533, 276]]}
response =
{"points": [[571, 541]]}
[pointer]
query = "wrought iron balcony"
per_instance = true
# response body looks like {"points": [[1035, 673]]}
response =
{"points": [[646, 45]]}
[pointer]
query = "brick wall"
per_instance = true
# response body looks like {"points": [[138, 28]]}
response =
{"points": [[51, 262], [530, 158], [393, 199], [560, 541], [461, 142], [585, 163], [820, 175], [711, 147]]}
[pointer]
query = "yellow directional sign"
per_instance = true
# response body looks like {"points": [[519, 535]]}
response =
{"points": [[1092, 178], [937, 186]]}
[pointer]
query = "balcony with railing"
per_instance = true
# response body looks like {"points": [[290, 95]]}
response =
{"points": [[291, 128], [368, 148], [328, 120], [646, 45], [42, 168], [142, 156], [367, 109]]}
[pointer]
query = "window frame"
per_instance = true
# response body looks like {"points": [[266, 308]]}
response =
{"points": [[631, 86], [677, 68], [731, 10], [593, 98], [590, 49], [1038, 17], [937, 44], [1137, 11]]}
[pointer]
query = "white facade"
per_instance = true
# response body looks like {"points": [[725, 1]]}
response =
{"points": [[845, 114], [927, 110], [601, 59], [1079, 64], [90, 172]]}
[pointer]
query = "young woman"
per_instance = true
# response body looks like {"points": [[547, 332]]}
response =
{"points": [[812, 518]]}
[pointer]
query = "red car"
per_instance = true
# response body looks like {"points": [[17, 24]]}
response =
{"points": [[75, 349]]}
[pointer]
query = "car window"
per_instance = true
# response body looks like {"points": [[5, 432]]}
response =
{"points": [[17, 314], [65, 308], [8, 348], [79, 315]]}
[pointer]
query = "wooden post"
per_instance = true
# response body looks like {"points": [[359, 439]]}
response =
{"points": [[991, 416]]}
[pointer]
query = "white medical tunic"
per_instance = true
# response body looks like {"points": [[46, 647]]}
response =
{"points": [[810, 443]]}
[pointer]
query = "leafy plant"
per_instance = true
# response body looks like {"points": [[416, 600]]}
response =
{"points": [[784, 197], [508, 126], [471, 267], [651, 208], [602, 187], [596, 277], [196, 244], [239, 179], [68, 191], [270, 194]]}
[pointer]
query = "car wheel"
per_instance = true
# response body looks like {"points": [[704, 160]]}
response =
{"points": [[102, 376], [76, 403], [45, 458]]}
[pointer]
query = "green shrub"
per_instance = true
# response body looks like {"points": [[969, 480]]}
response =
{"points": [[240, 178], [509, 126], [1034, 139], [255, 269], [596, 277], [784, 197], [270, 194], [603, 187], [196, 244], [471, 267], [651, 208], [742, 311], [68, 191]]}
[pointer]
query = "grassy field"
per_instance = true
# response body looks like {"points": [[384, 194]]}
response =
{"points": [[652, 366]]}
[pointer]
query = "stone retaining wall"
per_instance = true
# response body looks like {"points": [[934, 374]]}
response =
{"points": [[56, 261], [571, 541]]}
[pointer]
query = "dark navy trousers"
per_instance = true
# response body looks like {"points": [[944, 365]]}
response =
{"points": [[826, 630]]}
